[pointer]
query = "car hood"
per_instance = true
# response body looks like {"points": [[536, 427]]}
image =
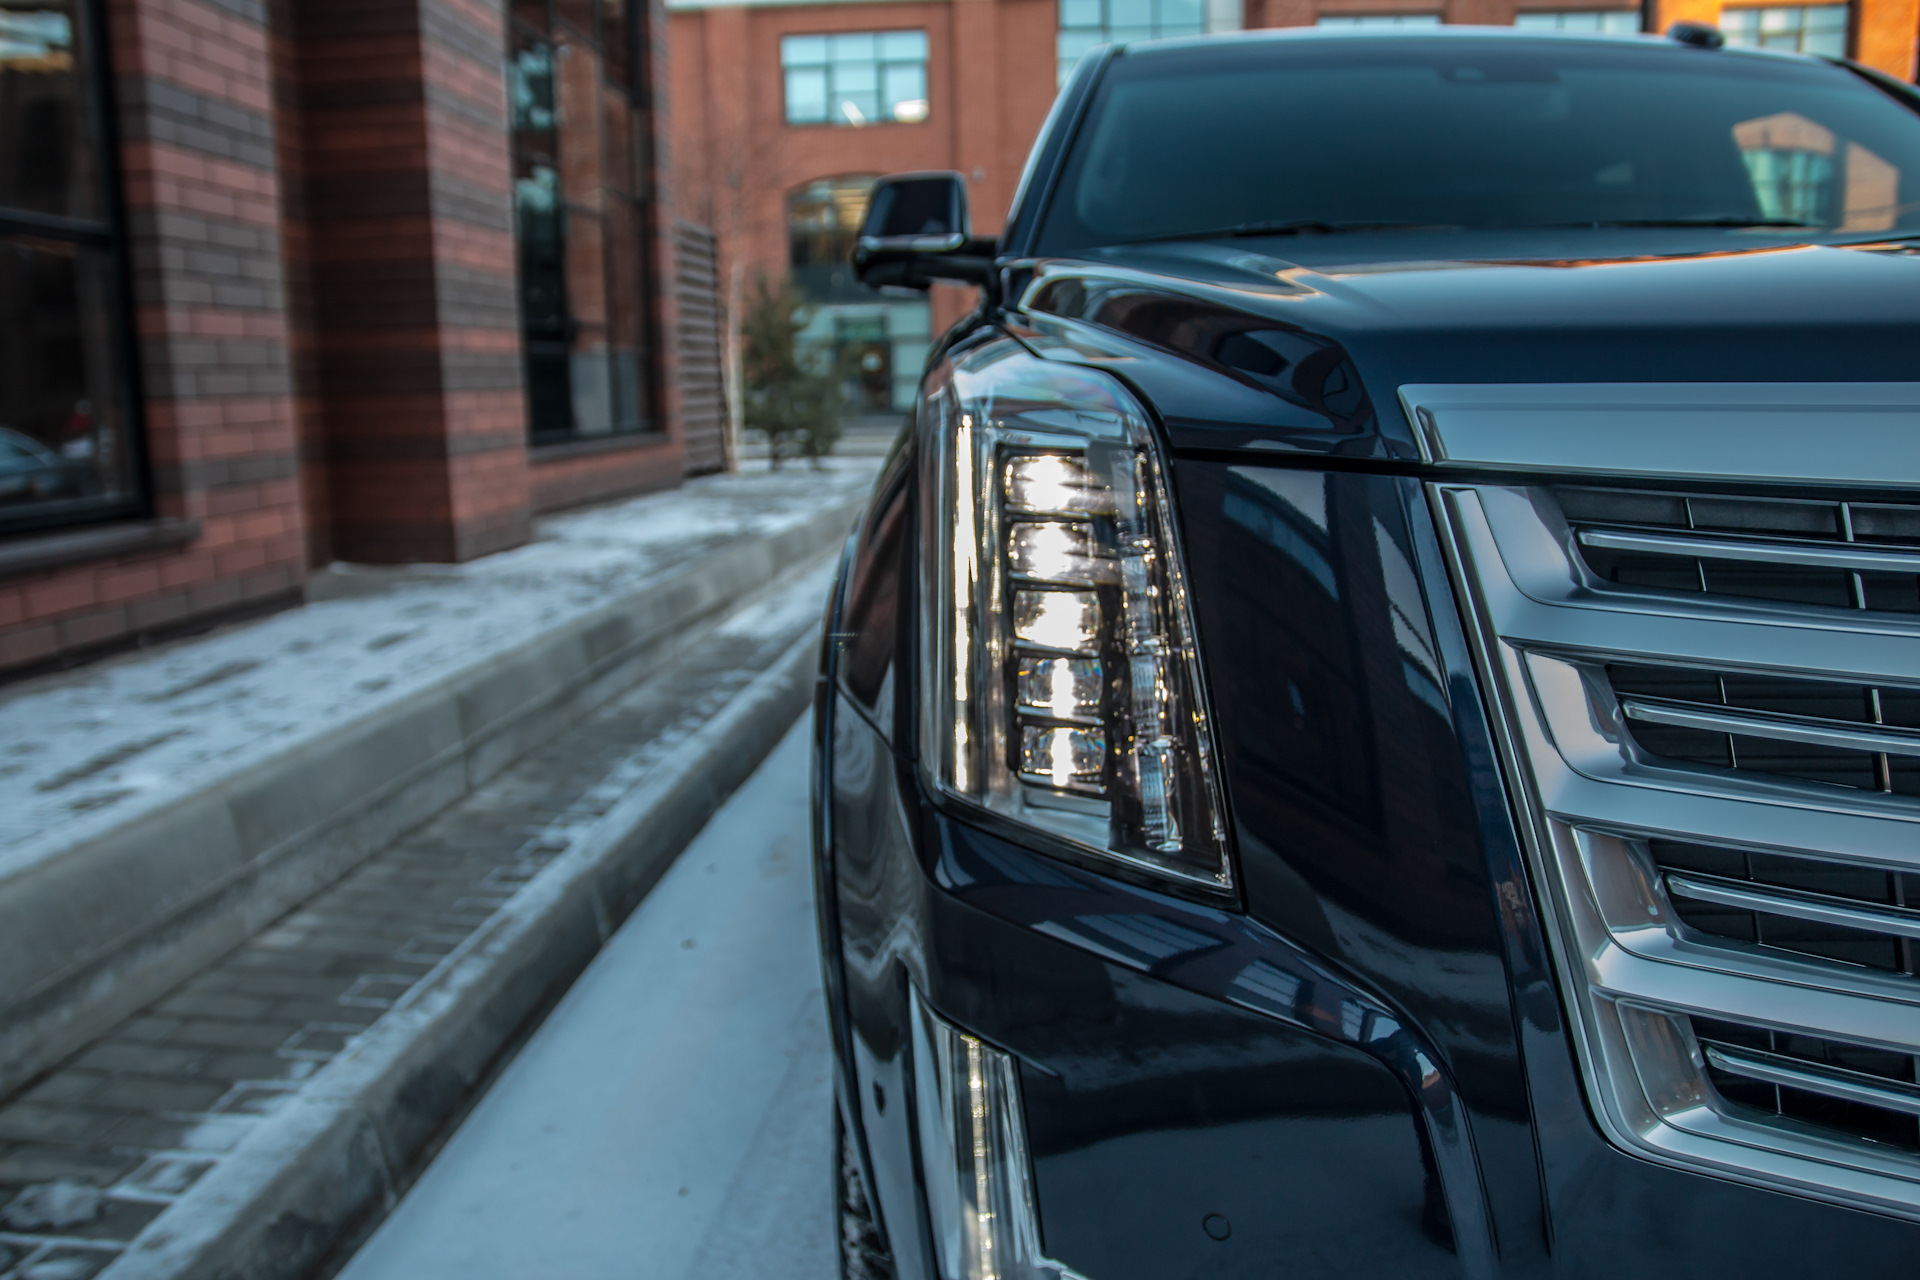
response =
{"points": [[1332, 329]]}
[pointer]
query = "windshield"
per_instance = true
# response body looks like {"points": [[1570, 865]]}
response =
{"points": [[1316, 135]]}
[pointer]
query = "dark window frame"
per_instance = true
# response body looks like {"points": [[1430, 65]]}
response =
{"points": [[108, 234]]}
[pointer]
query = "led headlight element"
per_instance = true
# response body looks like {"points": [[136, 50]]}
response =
{"points": [[1066, 693]]}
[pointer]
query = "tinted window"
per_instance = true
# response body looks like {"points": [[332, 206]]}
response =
{"points": [[65, 444], [1485, 133]]}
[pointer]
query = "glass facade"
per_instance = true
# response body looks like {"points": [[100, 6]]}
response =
{"points": [[66, 444], [1613, 22], [580, 160], [1820, 28], [856, 77], [1087, 23]]}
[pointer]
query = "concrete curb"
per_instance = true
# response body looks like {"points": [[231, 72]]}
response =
{"points": [[94, 933], [332, 1154]]}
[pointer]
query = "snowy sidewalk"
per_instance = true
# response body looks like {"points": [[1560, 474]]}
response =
{"points": [[157, 808], [243, 1125]]}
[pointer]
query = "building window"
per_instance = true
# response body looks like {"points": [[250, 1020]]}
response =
{"points": [[1613, 22], [1820, 28], [1378, 20], [879, 343], [67, 448], [856, 77], [1087, 23], [576, 98], [823, 221]]}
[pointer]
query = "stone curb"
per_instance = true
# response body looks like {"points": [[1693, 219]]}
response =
{"points": [[92, 934], [329, 1157]]}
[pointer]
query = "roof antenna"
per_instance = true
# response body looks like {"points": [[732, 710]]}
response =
{"points": [[1697, 35]]}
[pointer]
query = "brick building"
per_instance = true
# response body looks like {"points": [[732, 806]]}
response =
{"points": [[785, 112], [283, 281]]}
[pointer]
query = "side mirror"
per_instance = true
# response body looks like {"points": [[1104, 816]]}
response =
{"points": [[917, 231]]}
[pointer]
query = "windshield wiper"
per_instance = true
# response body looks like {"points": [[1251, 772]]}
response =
{"points": [[1729, 221], [1291, 227]]}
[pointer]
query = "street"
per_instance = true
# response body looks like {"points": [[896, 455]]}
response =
{"points": [[671, 1118]]}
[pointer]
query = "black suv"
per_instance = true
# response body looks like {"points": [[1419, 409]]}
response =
{"points": [[1372, 726]]}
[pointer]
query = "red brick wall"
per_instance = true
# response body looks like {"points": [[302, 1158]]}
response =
{"points": [[195, 114], [738, 159]]}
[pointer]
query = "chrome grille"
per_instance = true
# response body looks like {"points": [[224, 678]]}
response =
{"points": [[1709, 705], [1836, 554]]}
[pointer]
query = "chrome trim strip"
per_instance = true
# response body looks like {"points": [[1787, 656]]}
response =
{"points": [[1761, 724], [1852, 559], [1833, 1082], [1791, 902], [1843, 433]]}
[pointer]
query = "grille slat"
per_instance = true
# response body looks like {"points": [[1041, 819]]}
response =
{"points": [[1800, 906], [1835, 555], [1711, 705], [1850, 559], [1775, 728], [1793, 1073]]}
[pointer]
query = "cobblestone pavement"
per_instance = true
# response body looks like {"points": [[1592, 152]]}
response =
{"points": [[672, 1117], [97, 1149]]}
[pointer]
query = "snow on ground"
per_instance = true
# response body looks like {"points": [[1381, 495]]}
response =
{"points": [[84, 751], [672, 1118]]}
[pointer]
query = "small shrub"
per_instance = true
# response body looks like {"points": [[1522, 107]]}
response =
{"points": [[791, 401]]}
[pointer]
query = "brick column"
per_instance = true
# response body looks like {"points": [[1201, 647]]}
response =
{"points": [[408, 234], [1885, 33]]}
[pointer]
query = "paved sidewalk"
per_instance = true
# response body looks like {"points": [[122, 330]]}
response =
{"points": [[237, 1126], [158, 809], [93, 748]]}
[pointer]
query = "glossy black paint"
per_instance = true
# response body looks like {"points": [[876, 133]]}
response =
{"points": [[1358, 1071], [1346, 321], [1365, 1069]]}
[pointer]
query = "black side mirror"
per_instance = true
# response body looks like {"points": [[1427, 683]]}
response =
{"points": [[917, 231]]}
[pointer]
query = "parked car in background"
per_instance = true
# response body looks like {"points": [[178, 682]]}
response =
{"points": [[1372, 726], [29, 471]]}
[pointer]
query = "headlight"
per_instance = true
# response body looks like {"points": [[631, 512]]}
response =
{"points": [[1064, 689]]}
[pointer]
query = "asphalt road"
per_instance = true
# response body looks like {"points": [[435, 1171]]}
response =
{"points": [[672, 1118]]}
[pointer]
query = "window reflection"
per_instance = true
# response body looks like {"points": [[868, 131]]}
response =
{"points": [[1800, 173], [856, 77], [878, 342], [64, 448], [579, 217], [46, 129]]}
